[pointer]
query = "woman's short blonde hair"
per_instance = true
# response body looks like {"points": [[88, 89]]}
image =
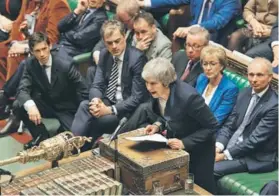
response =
{"points": [[217, 52], [159, 69]]}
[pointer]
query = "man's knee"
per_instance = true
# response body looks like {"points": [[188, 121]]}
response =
{"points": [[83, 106]]}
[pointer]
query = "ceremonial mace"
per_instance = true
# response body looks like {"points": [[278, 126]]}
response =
{"points": [[53, 149]]}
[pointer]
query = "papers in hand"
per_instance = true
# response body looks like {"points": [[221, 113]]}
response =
{"points": [[152, 138]]}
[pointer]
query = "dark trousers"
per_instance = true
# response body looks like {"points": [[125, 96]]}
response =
{"points": [[11, 85], [261, 50], [223, 168], [65, 118], [90, 75], [201, 158], [85, 124]]}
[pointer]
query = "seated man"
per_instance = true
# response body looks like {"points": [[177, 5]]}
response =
{"points": [[50, 87], [126, 11], [150, 39], [80, 30], [187, 63], [117, 89], [212, 15], [268, 49], [248, 140], [260, 17]]}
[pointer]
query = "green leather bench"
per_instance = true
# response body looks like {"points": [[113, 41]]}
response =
{"points": [[240, 81], [244, 183]]}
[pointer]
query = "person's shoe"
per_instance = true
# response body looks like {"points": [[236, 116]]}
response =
{"points": [[11, 126], [34, 142], [4, 109]]}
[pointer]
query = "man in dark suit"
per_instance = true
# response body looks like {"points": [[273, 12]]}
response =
{"points": [[80, 30], [117, 89], [50, 87], [248, 140], [187, 63]]}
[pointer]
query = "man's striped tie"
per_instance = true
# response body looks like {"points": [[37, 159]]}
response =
{"points": [[111, 90]]}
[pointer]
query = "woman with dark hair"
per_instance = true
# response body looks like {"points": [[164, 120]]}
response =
{"points": [[217, 90], [35, 16]]}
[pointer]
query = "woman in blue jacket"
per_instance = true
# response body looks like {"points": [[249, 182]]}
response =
{"points": [[218, 91]]}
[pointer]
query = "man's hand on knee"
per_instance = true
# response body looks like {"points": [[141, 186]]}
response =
{"points": [[34, 115]]}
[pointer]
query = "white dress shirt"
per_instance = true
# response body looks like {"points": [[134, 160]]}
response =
{"points": [[30, 102]]}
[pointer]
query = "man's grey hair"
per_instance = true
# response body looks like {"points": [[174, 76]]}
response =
{"points": [[159, 69], [200, 31], [131, 7], [109, 27], [263, 61]]}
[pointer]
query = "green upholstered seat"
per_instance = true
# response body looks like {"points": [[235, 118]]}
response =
{"points": [[110, 15], [164, 21], [239, 80], [72, 4], [245, 183], [82, 58]]}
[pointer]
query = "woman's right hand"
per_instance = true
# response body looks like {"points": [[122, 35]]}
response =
{"points": [[151, 129]]}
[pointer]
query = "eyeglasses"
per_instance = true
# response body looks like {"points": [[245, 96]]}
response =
{"points": [[210, 64], [194, 46]]}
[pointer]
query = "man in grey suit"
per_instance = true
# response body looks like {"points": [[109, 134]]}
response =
{"points": [[187, 63], [150, 39], [248, 140]]}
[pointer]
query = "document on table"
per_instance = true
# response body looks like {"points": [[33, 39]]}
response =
{"points": [[152, 138]]}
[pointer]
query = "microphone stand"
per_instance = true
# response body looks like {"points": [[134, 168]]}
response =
{"points": [[116, 164], [115, 138]]}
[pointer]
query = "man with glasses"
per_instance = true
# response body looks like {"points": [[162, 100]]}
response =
{"points": [[248, 139], [187, 63], [117, 89]]}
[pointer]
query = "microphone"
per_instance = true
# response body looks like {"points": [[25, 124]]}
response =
{"points": [[121, 124]]}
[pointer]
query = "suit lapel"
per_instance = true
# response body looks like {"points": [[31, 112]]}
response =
{"points": [[217, 95], [54, 69], [89, 18], [109, 66], [202, 85], [181, 69], [125, 69], [194, 72], [259, 105], [244, 105], [40, 76]]}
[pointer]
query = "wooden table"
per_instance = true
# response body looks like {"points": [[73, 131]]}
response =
{"points": [[197, 189]]}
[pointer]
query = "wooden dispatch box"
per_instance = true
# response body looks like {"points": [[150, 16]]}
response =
{"points": [[145, 164]]}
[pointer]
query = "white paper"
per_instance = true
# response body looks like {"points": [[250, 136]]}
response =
{"points": [[152, 138]]}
